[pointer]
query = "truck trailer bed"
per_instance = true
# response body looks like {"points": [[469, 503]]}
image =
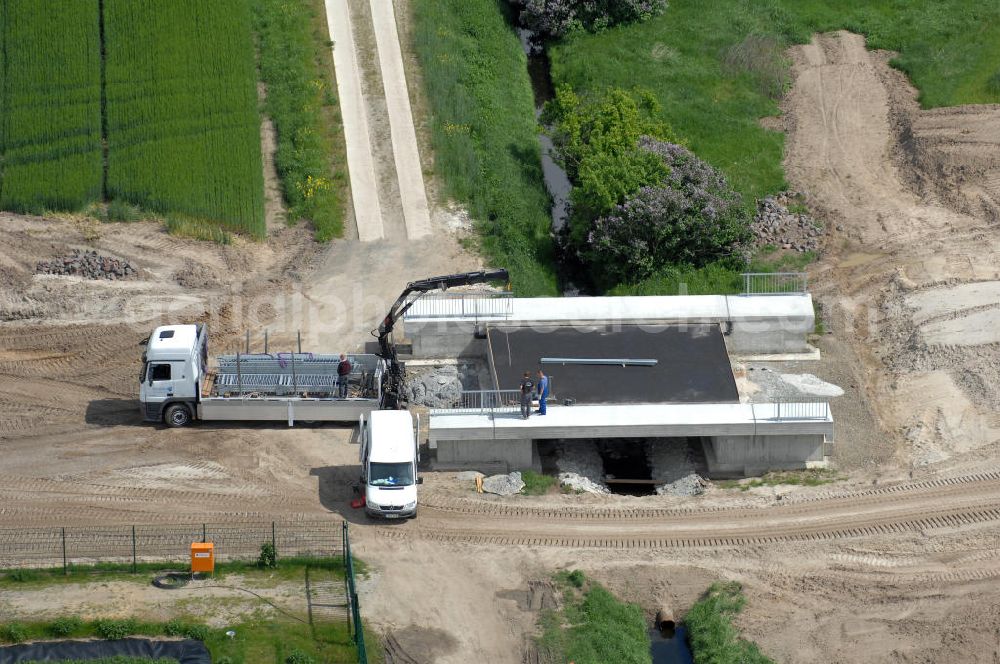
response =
{"points": [[292, 409]]}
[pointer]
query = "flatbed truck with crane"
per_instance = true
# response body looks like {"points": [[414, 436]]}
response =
{"points": [[178, 386]]}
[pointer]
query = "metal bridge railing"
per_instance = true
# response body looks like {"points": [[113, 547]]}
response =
{"points": [[775, 283], [480, 402], [471, 305], [785, 411]]}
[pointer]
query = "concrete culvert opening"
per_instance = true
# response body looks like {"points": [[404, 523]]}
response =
{"points": [[665, 621], [626, 466]]}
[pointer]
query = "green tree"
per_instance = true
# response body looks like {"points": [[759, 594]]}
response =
{"points": [[597, 142]]}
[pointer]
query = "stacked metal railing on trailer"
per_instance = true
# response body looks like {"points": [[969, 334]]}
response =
{"points": [[295, 374]]}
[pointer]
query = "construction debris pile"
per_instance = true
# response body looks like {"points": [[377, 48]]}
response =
{"points": [[672, 467], [580, 467], [778, 225], [438, 388], [90, 265], [504, 485]]}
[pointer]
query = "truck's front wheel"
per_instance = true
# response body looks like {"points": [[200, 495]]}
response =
{"points": [[177, 415]]}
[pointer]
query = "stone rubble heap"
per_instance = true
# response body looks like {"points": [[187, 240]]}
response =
{"points": [[776, 225], [90, 265], [671, 464], [581, 467], [504, 485], [439, 388]]}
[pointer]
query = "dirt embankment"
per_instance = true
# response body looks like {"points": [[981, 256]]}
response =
{"points": [[912, 269]]}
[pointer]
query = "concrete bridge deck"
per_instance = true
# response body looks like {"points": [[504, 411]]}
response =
{"points": [[737, 439], [631, 421]]}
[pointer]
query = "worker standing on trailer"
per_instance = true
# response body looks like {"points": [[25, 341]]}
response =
{"points": [[343, 375], [527, 390], [543, 391]]}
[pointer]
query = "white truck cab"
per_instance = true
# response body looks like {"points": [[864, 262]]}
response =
{"points": [[172, 370], [389, 458]]}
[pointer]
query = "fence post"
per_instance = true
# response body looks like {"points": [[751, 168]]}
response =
{"points": [[204, 533], [274, 542], [65, 567], [133, 551]]}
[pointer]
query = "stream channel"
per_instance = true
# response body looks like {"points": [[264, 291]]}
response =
{"points": [[665, 649], [572, 276]]}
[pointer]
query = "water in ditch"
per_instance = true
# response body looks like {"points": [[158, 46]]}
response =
{"points": [[572, 276], [670, 649], [556, 180]]}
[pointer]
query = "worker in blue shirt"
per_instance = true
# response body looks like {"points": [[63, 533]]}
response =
{"points": [[543, 391]]}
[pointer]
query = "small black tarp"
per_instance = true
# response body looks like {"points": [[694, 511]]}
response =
{"points": [[187, 651]]}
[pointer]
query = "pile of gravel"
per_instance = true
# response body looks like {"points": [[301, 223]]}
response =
{"points": [[689, 485], [580, 466], [440, 387], [672, 467], [504, 485], [776, 225], [581, 483], [90, 265]]}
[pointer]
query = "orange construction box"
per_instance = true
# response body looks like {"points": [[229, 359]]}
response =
{"points": [[203, 557]]}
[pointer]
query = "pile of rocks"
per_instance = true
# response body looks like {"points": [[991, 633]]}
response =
{"points": [[90, 265], [673, 468], [439, 388], [581, 467], [504, 485], [776, 225], [689, 485]]}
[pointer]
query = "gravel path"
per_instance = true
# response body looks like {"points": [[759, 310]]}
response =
{"points": [[404, 138], [360, 165]]}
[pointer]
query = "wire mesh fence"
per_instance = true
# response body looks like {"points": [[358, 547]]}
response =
{"points": [[164, 543], [357, 629]]}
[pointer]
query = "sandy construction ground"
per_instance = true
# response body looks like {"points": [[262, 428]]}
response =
{"points": [[897, 563], [911, 271]]}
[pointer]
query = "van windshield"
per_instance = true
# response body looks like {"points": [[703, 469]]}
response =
{"points": [[390, 474]]}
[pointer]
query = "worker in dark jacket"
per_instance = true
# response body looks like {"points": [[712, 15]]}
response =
{"points": [[343, 375], [543, 391], [527, 391]]}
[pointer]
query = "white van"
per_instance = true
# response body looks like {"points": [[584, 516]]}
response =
{"points": [[389, 458]]}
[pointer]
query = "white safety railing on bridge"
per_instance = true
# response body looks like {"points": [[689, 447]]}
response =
{"points": [[775, 283], [785, 411], [467, 305], [483, 402]]}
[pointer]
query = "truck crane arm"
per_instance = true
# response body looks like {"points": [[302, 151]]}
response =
{"points": [[387, 350]]}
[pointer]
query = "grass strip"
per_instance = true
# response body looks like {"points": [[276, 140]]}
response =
{"points": [[117, 659], [296, 66], [484, 133], [593, 627], [713, 637], [286, 569], [812, 477], [255, 640], [536, 484], [721, 278]]}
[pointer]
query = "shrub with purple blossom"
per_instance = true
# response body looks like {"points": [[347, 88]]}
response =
{"points": [[693, 217], [556, 18]]}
